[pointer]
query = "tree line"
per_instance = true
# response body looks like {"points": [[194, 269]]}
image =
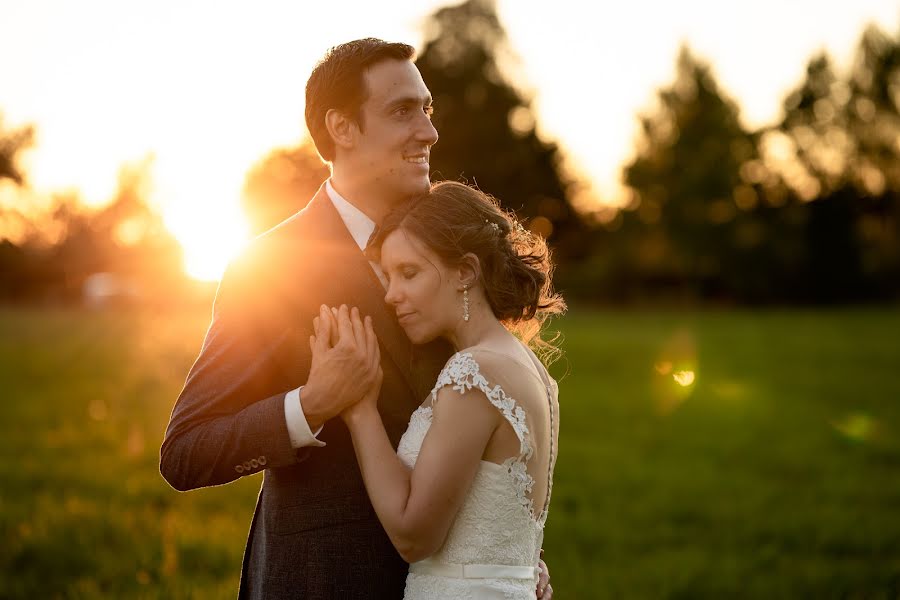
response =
{"points": [[803, 210]]}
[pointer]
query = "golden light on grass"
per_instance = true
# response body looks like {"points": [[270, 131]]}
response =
{"points": [[134, 446], [98, 410]]}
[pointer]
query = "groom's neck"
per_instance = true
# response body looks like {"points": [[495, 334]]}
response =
{"points": [[368, 197]]}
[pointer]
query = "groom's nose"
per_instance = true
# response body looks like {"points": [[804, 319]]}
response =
{"points": [[426, 132]]}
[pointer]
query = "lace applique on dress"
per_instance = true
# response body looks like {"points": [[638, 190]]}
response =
{"points": [[463, 373]]}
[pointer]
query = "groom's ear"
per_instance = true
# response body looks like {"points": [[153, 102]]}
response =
{"points": [[469, 270], [341, 128]]}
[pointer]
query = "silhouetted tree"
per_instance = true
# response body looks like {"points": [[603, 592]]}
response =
{"points": [[15, 266], [281, 184], [486, 126], [699, 221], [12, 142], [873, 119], [846, 163], [814, 121]]}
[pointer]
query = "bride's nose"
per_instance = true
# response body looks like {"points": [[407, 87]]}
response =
{"points": [[392, 295]]}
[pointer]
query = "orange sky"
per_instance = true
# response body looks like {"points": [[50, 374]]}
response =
{"points": [[209, 87]]}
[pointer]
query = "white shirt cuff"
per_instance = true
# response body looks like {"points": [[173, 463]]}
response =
{"points": [[298, 428]]}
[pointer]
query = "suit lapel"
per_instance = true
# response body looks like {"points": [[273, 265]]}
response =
{"points": [[347, 271]]}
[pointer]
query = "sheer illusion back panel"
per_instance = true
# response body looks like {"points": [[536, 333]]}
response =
{"points": [[527, 397]]}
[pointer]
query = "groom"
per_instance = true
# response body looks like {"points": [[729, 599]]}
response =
{"points": [[254, 401]]}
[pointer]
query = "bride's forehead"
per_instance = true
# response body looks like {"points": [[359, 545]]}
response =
{"points": [[400, 245]]}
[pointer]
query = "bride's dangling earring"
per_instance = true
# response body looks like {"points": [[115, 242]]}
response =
{"points": [[466, 304]]}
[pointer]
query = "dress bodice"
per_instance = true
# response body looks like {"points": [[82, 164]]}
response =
{"points": [[497, 523]]}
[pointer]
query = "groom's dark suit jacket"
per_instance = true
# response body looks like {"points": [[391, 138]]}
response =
{"points": [[314, 533]]}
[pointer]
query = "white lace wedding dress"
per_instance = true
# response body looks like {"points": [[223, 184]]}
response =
{"points": [[493, 547]]}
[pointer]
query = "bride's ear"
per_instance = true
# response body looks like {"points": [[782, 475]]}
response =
{"points": [[468, 271]]}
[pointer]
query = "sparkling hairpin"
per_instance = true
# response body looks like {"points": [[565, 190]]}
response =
{"points": [[493, 225]]}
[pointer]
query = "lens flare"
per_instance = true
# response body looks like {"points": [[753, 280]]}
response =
{"points": [[857, 427], [675, 371], [683, 378]]}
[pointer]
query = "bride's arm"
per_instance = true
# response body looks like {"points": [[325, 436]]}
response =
{"points": [[416, 507]]}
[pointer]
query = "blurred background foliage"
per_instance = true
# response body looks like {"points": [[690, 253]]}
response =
{"points": [[803, 210]]}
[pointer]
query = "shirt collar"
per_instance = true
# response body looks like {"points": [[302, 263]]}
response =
{"points": [[358, 224]]}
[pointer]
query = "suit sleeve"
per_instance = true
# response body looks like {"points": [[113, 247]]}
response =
{"points": [[226, 422]]}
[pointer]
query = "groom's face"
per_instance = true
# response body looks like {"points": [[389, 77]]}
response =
{"points": [[396, 134]]}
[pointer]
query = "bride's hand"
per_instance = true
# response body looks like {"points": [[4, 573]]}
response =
{"points": [[359, 334], [345, 364], [368, 405]]}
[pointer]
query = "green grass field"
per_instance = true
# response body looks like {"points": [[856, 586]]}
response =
{"points": [[703, 454]]}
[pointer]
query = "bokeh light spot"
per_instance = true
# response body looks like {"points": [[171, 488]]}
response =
{"points": [[683, 378]]}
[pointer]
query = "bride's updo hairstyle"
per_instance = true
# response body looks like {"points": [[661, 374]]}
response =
{"points": [[454, 219]]}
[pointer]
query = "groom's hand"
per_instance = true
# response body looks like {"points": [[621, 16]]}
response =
{"points": [[341, 371], [544, 590]]}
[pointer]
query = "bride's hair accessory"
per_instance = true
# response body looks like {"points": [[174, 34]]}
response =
{"points": [[493, 226]]}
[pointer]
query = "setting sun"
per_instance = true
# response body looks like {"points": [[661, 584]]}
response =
{"points": [[209, 238]]}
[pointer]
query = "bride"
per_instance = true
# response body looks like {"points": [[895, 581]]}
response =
{"points": [[466, 495]]}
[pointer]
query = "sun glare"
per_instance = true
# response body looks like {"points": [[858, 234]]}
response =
{"points": [[206, 259], [209, 241]]}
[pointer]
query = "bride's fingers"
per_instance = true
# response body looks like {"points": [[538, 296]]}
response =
{"points": [[372, 350], [377, 349], [326, 316], [359, 332], [344, 326], [369, 334]]}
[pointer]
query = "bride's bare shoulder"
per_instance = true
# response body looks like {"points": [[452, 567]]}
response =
{"points": [[501, 363]]}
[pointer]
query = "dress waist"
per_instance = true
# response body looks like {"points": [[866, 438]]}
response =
{"points": [[428, 567]]}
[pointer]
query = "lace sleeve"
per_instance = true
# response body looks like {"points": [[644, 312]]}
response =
{"points": [[463, 374]]}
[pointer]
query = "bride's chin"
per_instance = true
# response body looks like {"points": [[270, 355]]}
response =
{"points": [[418, 337]]}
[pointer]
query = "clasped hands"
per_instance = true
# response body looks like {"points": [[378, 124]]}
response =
{"points": [[345, 374]]}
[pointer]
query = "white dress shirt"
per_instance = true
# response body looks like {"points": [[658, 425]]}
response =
{"points": [[360, 227]]}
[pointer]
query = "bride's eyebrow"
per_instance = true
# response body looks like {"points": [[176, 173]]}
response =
{"points": [[402, 265]]}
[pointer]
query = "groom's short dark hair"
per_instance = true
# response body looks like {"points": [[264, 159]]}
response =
{"points": [[337, 81]]}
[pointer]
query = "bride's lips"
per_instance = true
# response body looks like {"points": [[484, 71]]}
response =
{"points": [[404, 318]]}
